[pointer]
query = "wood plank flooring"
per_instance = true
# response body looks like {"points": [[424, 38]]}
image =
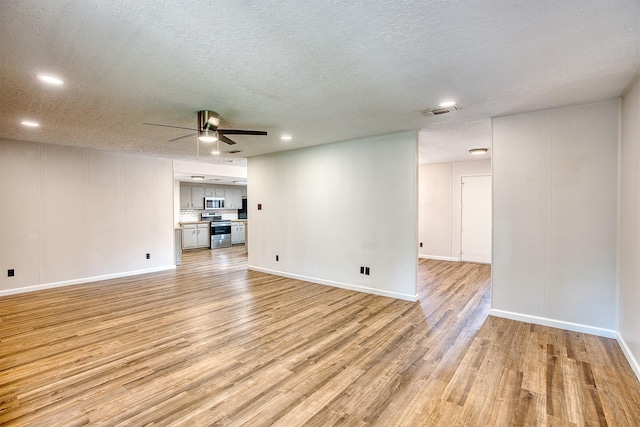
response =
{"points": [[214, 344]]}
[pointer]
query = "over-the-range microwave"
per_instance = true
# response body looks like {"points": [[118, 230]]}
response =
{"points": [[211, 203]]}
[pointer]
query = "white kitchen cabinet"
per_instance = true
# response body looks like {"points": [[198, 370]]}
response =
{"points": [[191, 196], [209, 191], [195, 236], [204, 240], [241, 233], [237, 233], [189, 236], [233, 198], [219, 191], [197, 196], [185, 196], [244, 192]]}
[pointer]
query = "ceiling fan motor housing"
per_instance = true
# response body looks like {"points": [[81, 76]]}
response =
{"points": [[208, 120]]}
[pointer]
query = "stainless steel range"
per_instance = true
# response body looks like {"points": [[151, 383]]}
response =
{"points": [[220, 230]]}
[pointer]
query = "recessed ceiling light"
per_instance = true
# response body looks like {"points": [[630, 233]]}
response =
{"points": [[476, 151], [215, 152], [49, 79], [286, 137], [30, 123], [445, 104], [197, 178], [240, 182]]}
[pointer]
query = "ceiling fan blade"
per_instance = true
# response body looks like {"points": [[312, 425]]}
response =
{"points": [[181, 137], [224, 139], [167, 126], [242, 132]]}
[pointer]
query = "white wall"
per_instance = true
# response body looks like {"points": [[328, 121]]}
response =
{"points": [[439, 206], [328, 210], [554, 217], [70, 215], [629, 235]]}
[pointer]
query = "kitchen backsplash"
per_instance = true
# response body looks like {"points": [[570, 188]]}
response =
{"points": [[191, 215]]}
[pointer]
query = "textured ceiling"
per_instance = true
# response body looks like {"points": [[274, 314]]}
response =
{"points": [[451, 142], [322, 71]]}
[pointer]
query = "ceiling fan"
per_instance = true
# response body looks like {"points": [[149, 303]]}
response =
{"points": [[208, 131]]}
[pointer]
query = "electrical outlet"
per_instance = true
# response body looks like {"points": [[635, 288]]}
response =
{"points": [[361, 270], [259, 206], [277, 258], [11, 272], [366, 271], [420, 244], [148, 256]]}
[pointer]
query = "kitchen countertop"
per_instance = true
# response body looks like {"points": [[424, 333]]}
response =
{"points": [[244, 221]]}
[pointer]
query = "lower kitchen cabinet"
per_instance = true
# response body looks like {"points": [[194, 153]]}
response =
{"points": [[237, 233], [195, 236]]}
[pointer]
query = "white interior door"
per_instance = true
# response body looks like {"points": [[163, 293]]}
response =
{"points": [[476, 219]]}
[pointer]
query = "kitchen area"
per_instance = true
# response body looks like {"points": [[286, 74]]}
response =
{"points": [[211, 216]]}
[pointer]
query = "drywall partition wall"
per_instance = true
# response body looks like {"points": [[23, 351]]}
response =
{"points": [[554, 217], [434, 214], [439, 213], [330, 209], [72, 215], [629, 235]]}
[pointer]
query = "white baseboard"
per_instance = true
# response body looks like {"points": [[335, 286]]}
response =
{"points": [[83, 280], [341, 285], [629, 355], [439, 258], [553, 323]]}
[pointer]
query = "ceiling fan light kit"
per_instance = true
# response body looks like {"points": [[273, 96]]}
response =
{"points": [[216, 151], [208, 120], [207, 131], [208, 136]]}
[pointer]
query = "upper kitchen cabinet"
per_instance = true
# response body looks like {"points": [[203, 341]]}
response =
{"points": [[191, 196], [197, 196], [233, 198], [212, 191], [185, 196]]}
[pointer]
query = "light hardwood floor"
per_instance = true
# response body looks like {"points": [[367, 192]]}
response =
{"points": [[215, 344]]}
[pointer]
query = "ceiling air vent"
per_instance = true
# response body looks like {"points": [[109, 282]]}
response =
{"points": [[438, 111], [234, 151]]}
